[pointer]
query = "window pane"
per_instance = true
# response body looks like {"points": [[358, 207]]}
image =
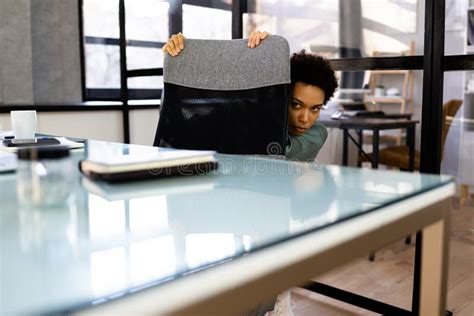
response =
{"points": [[459, 85], [386, 24], [367, 26], [300, 22], [151, 82], [459, 128], [101, 18], [102, 66], [143, 57], [147, 20], [459, 28], [207, 23]]}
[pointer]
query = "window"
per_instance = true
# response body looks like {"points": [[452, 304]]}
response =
{"points": [[303, 23], [316, 26], [148, 24], [101, 49], [207, 23]]}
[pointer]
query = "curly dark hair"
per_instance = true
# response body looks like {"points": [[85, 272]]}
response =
{"points": [[313, 70]]}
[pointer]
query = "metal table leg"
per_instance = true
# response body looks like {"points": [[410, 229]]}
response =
{"points": [[345, 144], [411, 148], [375, 149], [359, 162]]}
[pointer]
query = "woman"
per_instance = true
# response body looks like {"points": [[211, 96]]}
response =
{"points": [[313, 83]]}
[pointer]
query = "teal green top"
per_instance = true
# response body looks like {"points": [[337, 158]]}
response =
{"points": [[306, 147]]}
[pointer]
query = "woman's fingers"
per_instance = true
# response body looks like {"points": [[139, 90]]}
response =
{"points": [[256, 37], [174, 45], [180, 41], [260, 37], [253, 39], [249, 42], [167, 49]]}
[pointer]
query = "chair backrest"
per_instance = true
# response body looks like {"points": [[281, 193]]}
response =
{"points": [[450, 108], [222, 95]]}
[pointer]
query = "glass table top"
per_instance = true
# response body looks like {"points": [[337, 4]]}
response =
{"points": [[103, 241]]}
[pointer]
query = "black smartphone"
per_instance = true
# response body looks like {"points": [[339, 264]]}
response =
{"points": [[42, 141]]}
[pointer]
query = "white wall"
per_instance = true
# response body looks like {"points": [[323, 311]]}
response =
{"points": [[331, 152], [100, 125], [143, 125]]}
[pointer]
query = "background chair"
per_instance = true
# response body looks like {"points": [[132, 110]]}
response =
{"points": [[221, 95], [397, 156]]}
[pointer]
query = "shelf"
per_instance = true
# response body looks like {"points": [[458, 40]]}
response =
{"points": [[348, 90], [390, 72], [385, 99]]}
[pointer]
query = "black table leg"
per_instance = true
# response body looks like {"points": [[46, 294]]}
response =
{"points": [[375, 165], [375, 149], [359, 162], [415, 301], [345, 144], [411, 148]]}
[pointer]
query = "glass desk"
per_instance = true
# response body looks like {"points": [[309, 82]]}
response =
{"points": [[217, 243]]}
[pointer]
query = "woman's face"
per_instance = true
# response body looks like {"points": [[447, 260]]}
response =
{"points": [[305, 104]]}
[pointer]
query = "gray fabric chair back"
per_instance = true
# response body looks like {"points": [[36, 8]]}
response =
{"points": [[224, 96]]}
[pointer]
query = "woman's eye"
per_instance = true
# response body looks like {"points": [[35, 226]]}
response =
{"points": [[295, 105]]}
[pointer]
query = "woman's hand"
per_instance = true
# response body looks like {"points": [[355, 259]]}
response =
{"points": [[174, 45], [256, 37]]}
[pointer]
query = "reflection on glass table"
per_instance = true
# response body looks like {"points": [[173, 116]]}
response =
{"points": [[106, 241]]}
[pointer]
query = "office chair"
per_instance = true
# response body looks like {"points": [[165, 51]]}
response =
{"points": [[221, 95], [398, 156]]}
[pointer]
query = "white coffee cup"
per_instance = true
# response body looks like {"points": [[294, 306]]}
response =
{"points": [[23, 124]]}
